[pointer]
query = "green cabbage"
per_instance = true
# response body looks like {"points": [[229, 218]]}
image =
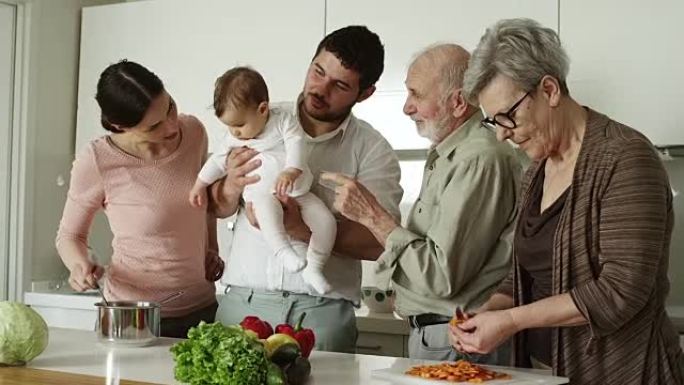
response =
{"points": [[215, 354], [23, 334]]}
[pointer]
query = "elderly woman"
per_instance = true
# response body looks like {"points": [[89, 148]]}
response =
{"points": [[140, 175], [586, 293]]}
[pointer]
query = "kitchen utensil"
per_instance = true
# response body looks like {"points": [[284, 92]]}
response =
{"points": [[171, 297], [130, 323], [99, 288], [459, 314]]}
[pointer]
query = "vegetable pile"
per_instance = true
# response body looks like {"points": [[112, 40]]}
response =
{"points": [[245, 354], [220, 355]]}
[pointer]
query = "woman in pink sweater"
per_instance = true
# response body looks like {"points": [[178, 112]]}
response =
{"points": [[140, 175]]}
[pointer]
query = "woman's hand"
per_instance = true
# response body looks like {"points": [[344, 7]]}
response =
{"points": [[239, 163], [84, 276], [225, 194], [483, 332], [198, 194], [213, 267]]}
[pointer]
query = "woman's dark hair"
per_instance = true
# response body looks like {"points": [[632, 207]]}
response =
{"points": [[124, 93], [358, 49]]}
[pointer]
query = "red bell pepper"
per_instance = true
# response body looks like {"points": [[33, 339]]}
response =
{"points": [[305, 337], [262, 328]]}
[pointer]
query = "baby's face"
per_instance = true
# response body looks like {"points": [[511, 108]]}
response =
{"points": [[244, 123]]}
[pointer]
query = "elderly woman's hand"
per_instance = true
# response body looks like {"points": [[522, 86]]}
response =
{"points": [[357, 203], [483, 332]]}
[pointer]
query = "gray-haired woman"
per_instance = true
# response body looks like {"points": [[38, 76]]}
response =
{"points": [[586, 294]]}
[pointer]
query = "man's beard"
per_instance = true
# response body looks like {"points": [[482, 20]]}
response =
{"points": [[436, 130], [329, 116]]}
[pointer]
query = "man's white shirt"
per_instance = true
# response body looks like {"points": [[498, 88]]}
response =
{"points": [[354, 149]]}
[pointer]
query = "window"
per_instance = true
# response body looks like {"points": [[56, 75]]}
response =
{"points": [[384, 111]]}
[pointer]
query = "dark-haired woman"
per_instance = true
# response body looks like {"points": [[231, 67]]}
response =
{"points": [[140, 175]]}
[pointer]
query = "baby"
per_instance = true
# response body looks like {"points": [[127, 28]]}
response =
{"points": [[241, 103]]}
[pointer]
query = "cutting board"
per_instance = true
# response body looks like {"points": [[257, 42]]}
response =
{"points": [[396, 375], [25, 376]]}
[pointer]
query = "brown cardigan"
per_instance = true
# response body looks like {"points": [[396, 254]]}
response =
{"points": [[611, 253]]}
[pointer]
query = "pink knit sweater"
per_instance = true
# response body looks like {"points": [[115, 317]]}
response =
{"points": [[160, 241]]}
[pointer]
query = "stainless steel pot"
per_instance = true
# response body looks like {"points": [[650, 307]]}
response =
{"points": [[130, 323]]}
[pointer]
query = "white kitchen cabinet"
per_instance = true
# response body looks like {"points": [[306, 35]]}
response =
{"points": [[189, 44], [381, 334], [70, 311], [405, 27], [626, 61], [382, 344]]}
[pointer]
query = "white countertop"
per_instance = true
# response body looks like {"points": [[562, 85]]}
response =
{"points": [[76, 351], [366, 321]]}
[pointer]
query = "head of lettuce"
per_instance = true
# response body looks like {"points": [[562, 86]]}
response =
{"points": [[23, 334], [215, 354]]}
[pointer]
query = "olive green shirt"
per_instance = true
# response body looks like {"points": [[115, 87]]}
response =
{"points": [[457, 243]]}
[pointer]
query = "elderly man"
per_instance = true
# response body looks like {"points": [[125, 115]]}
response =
{"points": [[456, 246]]}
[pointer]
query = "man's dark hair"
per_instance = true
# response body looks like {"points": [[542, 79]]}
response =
{"points": [[358, 49]]}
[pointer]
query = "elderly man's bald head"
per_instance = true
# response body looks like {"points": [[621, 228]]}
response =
{"points": [[447, 61], [434, 101]]}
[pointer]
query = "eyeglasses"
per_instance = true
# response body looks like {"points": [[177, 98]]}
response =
{"points": [[503, 119]]}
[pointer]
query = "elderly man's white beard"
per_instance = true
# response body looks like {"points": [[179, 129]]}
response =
{"points": [[435, 130]]}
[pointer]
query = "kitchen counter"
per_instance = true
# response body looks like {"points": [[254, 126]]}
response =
{"points": [[78, 352], [366, 321]]}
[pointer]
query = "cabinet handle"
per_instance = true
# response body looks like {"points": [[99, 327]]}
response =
{"points": [[375, 347]]}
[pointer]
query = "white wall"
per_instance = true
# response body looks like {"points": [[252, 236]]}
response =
{"points": [[626, 60], [54, 53], [49, 79], [53, 73]]}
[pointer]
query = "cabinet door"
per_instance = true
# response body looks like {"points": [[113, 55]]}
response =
{"points": [[406, 27], [189, 44], [380, 344], [626, 61]]}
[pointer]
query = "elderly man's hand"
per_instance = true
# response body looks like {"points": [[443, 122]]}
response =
{"points": [[483, 332], [354, 201]]}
